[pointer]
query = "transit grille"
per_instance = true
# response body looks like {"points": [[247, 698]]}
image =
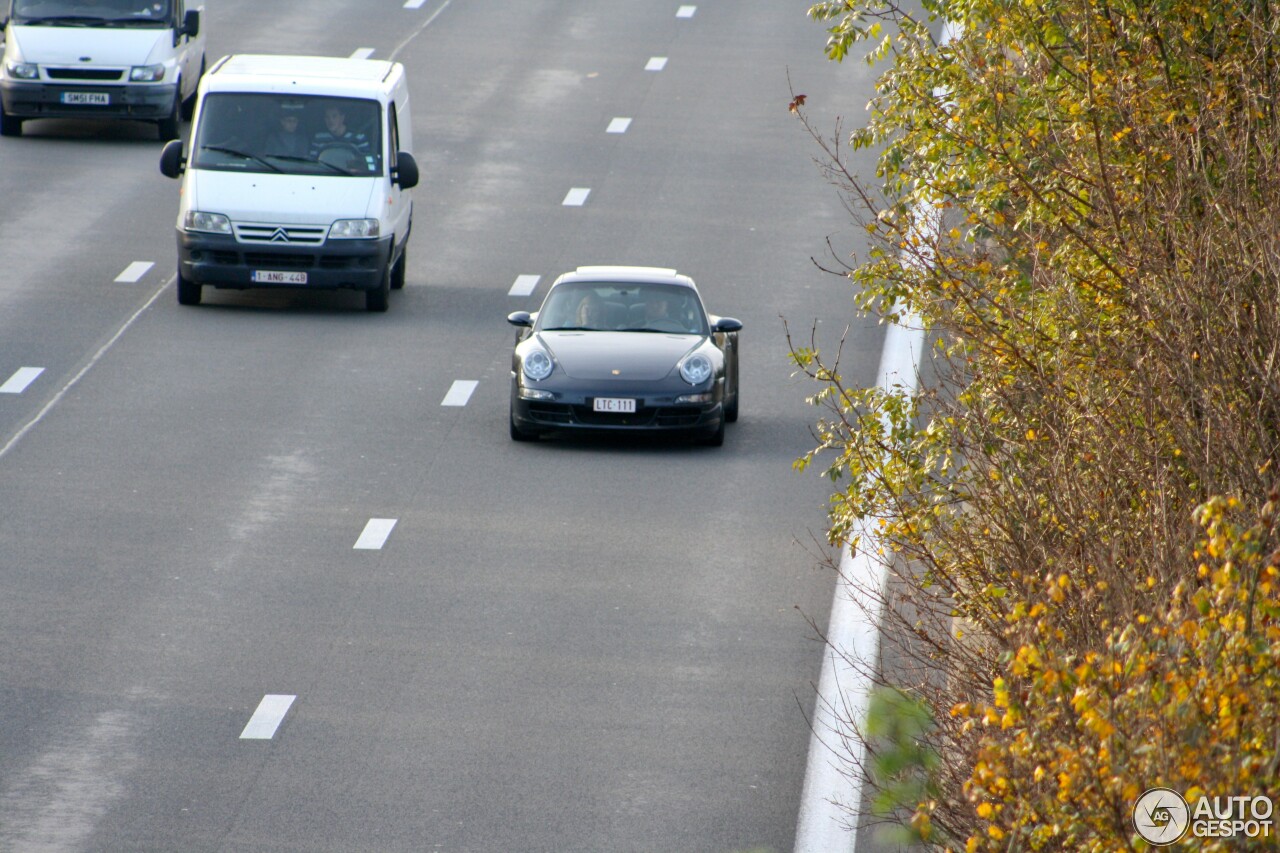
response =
{"points": [[96, 74]]}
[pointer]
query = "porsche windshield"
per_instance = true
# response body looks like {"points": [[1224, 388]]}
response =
{"points": [[622, 307], [290, 134], [92, 13]]}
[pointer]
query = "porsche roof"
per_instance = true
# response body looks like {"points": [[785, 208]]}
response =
{"points": [[655, 275]]}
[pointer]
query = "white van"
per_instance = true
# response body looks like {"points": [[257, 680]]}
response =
{"points": [[298, 175], [117, 59]]}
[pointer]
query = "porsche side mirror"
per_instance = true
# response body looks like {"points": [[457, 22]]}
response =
{"points": [[520, 318], [727, 324]]}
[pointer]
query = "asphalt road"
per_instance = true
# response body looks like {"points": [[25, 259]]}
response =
{"points": [[564, 646]]}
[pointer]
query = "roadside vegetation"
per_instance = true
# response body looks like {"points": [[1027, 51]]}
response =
{"points": [[1080, 200]]}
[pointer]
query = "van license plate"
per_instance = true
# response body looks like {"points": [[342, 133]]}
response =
{"points": [[97, 99], [277, 277]]}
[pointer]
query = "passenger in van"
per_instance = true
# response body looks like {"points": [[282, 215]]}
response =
{"points": [[336, 135], [286, 140]]}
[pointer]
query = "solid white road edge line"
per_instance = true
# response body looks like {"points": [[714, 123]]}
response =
{"points": [[264, 722], [18, 382], [831, 791], [831, 794], [414, 4], [57, 398], [375, 534], [134, 272]]}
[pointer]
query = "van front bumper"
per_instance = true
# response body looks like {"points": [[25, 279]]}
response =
{"points": [[24, 99], [220, 261]]}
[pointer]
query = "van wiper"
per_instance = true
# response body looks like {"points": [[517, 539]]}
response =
{"points": [[241, 154], [288, 158], [60, 21]]}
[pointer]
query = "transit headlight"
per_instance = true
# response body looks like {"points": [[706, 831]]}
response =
{"points": [[23, 70], [537, 365], [353, 229], [146, 73], [211, 223], [695, 369]]}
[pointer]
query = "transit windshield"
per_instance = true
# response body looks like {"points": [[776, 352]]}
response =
{"points": [[92, 13]]}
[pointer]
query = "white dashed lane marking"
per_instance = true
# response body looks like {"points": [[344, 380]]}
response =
{"points": [[18, 382], [525, 285], [460, 392], [264, 722], [618, 125], [656, 63], [576, 197], [375, 534], [363, 53], [686, 11], [414, 4], [134, 272]]}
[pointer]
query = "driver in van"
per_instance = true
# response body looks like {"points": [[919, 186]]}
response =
{"points": [[336, 134]]}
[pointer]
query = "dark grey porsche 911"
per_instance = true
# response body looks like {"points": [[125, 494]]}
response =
{"points": [[624, 348]]}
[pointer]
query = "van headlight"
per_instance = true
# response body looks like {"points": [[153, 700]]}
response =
{"points": [[211, 223], [146, 73], [23, 70], [353, 229], [695, 369]]}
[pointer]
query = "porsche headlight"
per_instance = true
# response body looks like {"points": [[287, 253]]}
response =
{"points": [[537, 365], [695, 369]]}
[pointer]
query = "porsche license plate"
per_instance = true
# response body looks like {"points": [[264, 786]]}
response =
{"points": [[614, 404], [278, 277], [97, 99]]}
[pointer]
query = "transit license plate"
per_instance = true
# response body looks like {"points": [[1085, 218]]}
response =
{"points": [[614, 404], [97, 99], [279, 277]]}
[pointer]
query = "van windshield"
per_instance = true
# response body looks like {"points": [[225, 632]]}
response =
{"points": [[92, 13], [290, 134]]}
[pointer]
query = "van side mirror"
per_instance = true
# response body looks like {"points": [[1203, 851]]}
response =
{"points": [[172, 163], [191, 24], [405, 172]]}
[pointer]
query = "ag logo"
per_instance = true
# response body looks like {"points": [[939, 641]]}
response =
{"points": [[1161, 816]]}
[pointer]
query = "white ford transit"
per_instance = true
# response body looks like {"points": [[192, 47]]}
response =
{"points": [[298, 175], [130, 59]]}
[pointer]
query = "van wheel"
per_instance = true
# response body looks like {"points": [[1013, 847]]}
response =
{"points": [[379, 298], [188, 290], [171, 126], [9, 125], [397, 271]]}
